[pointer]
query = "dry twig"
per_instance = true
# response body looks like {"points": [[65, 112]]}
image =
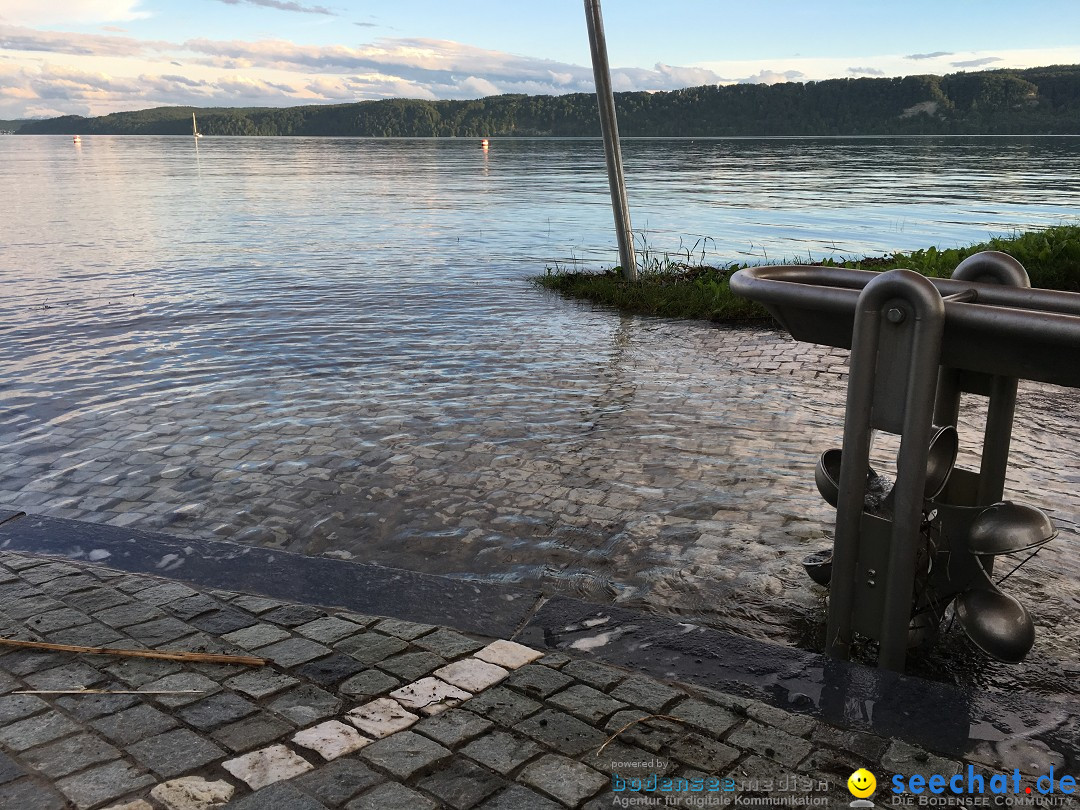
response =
{"points": [[179, 655], [611, 739], [107, 692]]}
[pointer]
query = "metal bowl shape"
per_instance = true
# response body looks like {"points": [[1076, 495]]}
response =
{"points": [[944, 445], [923, 628], [819, 566], [996, 623], [827, 475], [1007, 527]]}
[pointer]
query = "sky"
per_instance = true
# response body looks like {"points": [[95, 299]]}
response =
{"points": [[91, 57]]}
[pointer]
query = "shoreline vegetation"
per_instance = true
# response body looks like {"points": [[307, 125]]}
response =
{"points": [[673, 288], [1034, 101]]}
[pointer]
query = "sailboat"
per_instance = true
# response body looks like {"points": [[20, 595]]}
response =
{"points": [[194, 127]]}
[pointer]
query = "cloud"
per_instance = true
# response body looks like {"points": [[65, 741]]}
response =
{"points": [[17, 92], [772, 77], [366, 25], [279, 72], [55, 82], [986, 60], [282, 5], [474, 85], [371, 85], [410, 58], [444, 66], [675, 76], [116, 29], [183, 80], [56, 90], [865, 71], [16, 38], [69, 12], [933, 55]]}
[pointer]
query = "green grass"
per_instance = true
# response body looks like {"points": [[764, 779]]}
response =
{"points": [[676, 289]]}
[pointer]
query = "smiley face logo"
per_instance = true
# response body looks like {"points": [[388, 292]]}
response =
{"points": [[861, 783]]}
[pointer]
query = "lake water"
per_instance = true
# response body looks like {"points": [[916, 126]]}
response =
{"points": [[330, 346]]}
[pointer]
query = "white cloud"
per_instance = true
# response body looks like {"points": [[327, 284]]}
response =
{"points": [[674, 76], [773, 77], [479, 87], [69, 12]]}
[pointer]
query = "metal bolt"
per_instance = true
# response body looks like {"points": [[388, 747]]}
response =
{"points": [[870, 583], [872, 573], [895, 315]]}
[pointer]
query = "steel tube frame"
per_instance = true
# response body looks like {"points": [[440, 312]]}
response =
{"points": [[985, 328], [609, 126], [922, 320], [1006, 330]]}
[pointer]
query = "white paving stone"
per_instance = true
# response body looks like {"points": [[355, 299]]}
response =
{"points": [[508, 654], [471, 674], [138, 804], [266, 766], [193, 793], [430, 696], [331, 739], [381, 718]]}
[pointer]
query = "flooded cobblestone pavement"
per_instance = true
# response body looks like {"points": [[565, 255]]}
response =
{"points": [[677, 474]]}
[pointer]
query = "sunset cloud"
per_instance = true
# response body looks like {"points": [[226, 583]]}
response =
{"points": [[84, 92]]}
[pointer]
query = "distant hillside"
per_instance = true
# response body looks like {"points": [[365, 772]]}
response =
{"points": [[11, 126], [1000, 102]]}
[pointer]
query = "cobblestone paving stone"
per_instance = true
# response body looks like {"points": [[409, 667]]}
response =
{"points": [[557, 732]]}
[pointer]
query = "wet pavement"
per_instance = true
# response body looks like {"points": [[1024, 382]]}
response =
{"points": [[559, 704], [676, 476]]}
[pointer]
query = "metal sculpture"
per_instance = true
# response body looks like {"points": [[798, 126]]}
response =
{"points": [[903, 553]]}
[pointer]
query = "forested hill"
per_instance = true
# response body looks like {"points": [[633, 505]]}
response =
{"points": [[1000, 102]]}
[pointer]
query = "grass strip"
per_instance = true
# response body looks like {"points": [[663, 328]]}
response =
{"points": [[676, 289]]}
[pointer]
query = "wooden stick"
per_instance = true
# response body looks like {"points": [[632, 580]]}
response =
{"points": [[107, 692], [206, 658]]}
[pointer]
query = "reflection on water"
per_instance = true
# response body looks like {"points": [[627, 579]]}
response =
{"points": [[329, 346]]}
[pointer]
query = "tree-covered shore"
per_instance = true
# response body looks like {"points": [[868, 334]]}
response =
{"points": [[675, 289], [1036, 101]]}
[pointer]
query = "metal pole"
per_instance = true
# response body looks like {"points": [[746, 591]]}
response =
{"points": [[610, 128]]}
